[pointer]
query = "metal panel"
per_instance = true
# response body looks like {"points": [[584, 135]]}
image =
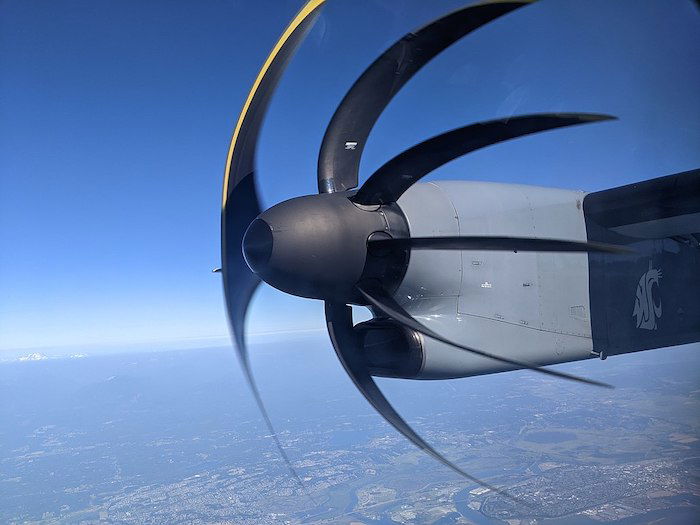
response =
{"points": [[496, 285], [563, 277], [431, 273], [537, 291]]}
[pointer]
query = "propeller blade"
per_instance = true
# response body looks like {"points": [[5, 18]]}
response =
{"points": [[347, 132], [240, 284], [391, 180], [344, 339], [487, 243], [241, 154], [241, 205], [386, 304]]}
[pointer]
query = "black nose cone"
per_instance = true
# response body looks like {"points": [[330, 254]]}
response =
{"points": [[257, 245]]}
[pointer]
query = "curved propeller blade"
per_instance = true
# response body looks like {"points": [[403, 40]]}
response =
{"points": [[239, 281], [386, 304], [241, 154], [239, 286], [487, 243], [241, 205], [340, 329], [391, 180], [347, 132]]}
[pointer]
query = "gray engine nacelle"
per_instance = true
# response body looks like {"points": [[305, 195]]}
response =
{"points": [[529, 306]]}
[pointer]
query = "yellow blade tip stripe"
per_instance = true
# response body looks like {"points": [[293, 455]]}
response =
{"points": [[308, 8]]}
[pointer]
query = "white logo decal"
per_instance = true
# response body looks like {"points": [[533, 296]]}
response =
{"points": [[645, 309], [350, 145]]}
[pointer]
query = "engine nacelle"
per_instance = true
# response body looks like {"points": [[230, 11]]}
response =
{"points": [[533, 307]]}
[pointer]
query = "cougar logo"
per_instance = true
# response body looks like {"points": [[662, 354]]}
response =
{"points": [[646, 310]]}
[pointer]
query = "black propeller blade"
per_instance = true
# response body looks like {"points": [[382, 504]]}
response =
{"points": [[239, 282], [391, 180], [386, 304], [487, 243], [241, 204], [340, 329], [347, 132]]}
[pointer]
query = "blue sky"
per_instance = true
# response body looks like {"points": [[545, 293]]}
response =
{"points": [[115, 119]]}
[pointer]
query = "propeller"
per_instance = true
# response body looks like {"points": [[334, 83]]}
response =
{"points": [[239, 282], [353, 247]]}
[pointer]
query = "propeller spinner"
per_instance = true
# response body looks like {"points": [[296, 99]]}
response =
{"points": [[346, 246]]}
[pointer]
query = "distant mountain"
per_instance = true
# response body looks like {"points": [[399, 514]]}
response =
{"points": [[36, 356]]}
